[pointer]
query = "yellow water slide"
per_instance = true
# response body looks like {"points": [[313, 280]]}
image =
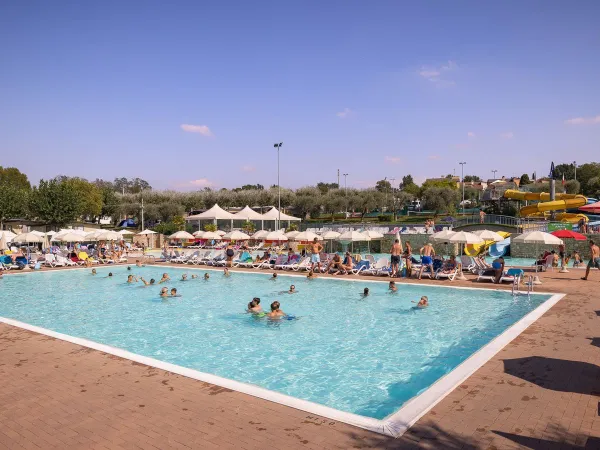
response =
{"points": [[476, 249], [544, 206]]}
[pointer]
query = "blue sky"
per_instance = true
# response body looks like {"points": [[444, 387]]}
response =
{"points": [[193, 94]]}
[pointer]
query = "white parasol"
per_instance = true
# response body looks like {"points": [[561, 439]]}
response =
{"points": [[236, 236]]}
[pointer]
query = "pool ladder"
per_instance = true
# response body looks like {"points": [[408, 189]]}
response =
{"points": [[515, 286]]}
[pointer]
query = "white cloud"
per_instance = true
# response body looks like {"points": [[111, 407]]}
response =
{"points": [[393, 159], [201, 183], [248, 169], [347, 112], [200, 129], [583, 120], [439, 75], [433, 157], [507, 135], [470, 134]]}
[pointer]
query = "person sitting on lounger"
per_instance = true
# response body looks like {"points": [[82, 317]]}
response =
{"points": [[335, 263], [450, 265], [347, 265]]}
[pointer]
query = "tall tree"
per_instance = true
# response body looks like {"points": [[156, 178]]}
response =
{"points": [[54, 202], [472, 178], [566, 170], [13, 177], [585, 174], [13, 202], [524, 180], [407, 180], [326, 187], [383, 186]]}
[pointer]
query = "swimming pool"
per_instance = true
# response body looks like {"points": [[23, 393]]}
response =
{"points": [[365, 356]]}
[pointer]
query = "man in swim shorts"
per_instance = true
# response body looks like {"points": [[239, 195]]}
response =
{"points": [[275, 311], [427, 253], [498, 266], [396, 252], [594, 259], [315, 248]]}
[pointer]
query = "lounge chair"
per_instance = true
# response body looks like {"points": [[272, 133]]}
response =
{"points": [[468, 263], [449, 274], [380, 265], [302, 264], [488, 275], [282, 263], [64, 261]]}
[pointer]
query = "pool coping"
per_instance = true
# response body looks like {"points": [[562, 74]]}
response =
{"points": [[395, 425]]}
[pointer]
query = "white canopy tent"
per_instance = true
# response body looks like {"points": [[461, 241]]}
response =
{"points": [[249, 214], [215, 213], [276, 216]]}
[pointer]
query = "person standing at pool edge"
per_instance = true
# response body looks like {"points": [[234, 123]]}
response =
{"points": [[395, 253], [427, 253], [594, 259], [315, 258]]}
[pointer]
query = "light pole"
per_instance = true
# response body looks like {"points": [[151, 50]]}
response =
{"points": [[393, 198], [462, 173], [345, 183], [278, 146], [575, 168], [494, 172]]}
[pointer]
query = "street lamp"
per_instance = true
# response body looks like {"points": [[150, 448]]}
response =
{"points": [[462, 173], [278, 146], [494, 172], [345, 183], [393, 198], [575, 168]]}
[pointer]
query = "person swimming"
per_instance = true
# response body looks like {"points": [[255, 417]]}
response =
{"points": [[174, 293], [164, 292], [292, 289], [423, 303], [152, 281], [226, 272], [94, 272], [393, 286], [109, 275], [184, 277], [131, 279], [254, 306], [206, 276], [194, 277], [165, 278], [138, 263], [128, 268], [365, 292], [275, 313], [274, 277]]}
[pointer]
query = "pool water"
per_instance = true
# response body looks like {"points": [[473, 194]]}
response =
{"points": [[361, 355]]}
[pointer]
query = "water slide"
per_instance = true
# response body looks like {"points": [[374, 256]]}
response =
{"points": [[498, 249], [544, 206], [476, 249]]}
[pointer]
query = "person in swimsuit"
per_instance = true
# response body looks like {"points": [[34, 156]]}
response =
{"points": [[174, 293], [226, 272], [423, 303], [254, 306], [164, 292], [194, 277], [396, 252], [498, 266], [427, 253], [316, 248], [561, 255], [292, 289], [335, 263], [94, 272], [365, 292], [229, 253], [131, 279], [165, 278], [184, 277], [274, 277], [594, 259], [393, 287], [275, 313], [576, 259], [147, 283], [408, 258], [206, 277], [347, 265], [109, 275]]}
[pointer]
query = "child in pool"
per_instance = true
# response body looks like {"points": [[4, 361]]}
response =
{"points": [[94, 272], [365, 292], [423, 303], [164, 292], [206, 276], [174, 293], [254, 306], [393, 287]]}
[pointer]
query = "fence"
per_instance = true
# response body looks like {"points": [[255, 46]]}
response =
{"points": [[507, 221]]}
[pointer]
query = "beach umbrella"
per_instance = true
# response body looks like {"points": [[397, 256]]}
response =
{"points": [[211, 236], [259, 235], [464, 237], [277, 236], [220, 233], [51, 233], [292, 234], [568, 234], [181, 235], [146, 232], [71, 237], [3, 245], [329, 235], [8, 235], [28, 238], [198, 234], [373, 234], [538, 237], [488, 235], [307, 236], [108, 236], [350, 237], [593, 208], [442, 236], [39, 233], [236, 236], [125, 232]]}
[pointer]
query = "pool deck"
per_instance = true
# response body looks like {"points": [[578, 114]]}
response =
{"points": [[541, 391]]}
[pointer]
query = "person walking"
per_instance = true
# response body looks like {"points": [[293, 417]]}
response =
{"points": [[594, 259]]}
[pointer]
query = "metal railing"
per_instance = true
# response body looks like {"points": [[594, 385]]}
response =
{"points": [[508, 221]]}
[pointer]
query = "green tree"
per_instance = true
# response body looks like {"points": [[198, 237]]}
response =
{"points": [[572, 187], [210, 227], [446, 183], [383, 186], [111, 203], [179, 222], [472, 178], [407, 180], [13, 177], [566, 170], [585, 174], [54, 202], [326, 187], [440, 199], [89, 197], [524, 180], [13, 202]]}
